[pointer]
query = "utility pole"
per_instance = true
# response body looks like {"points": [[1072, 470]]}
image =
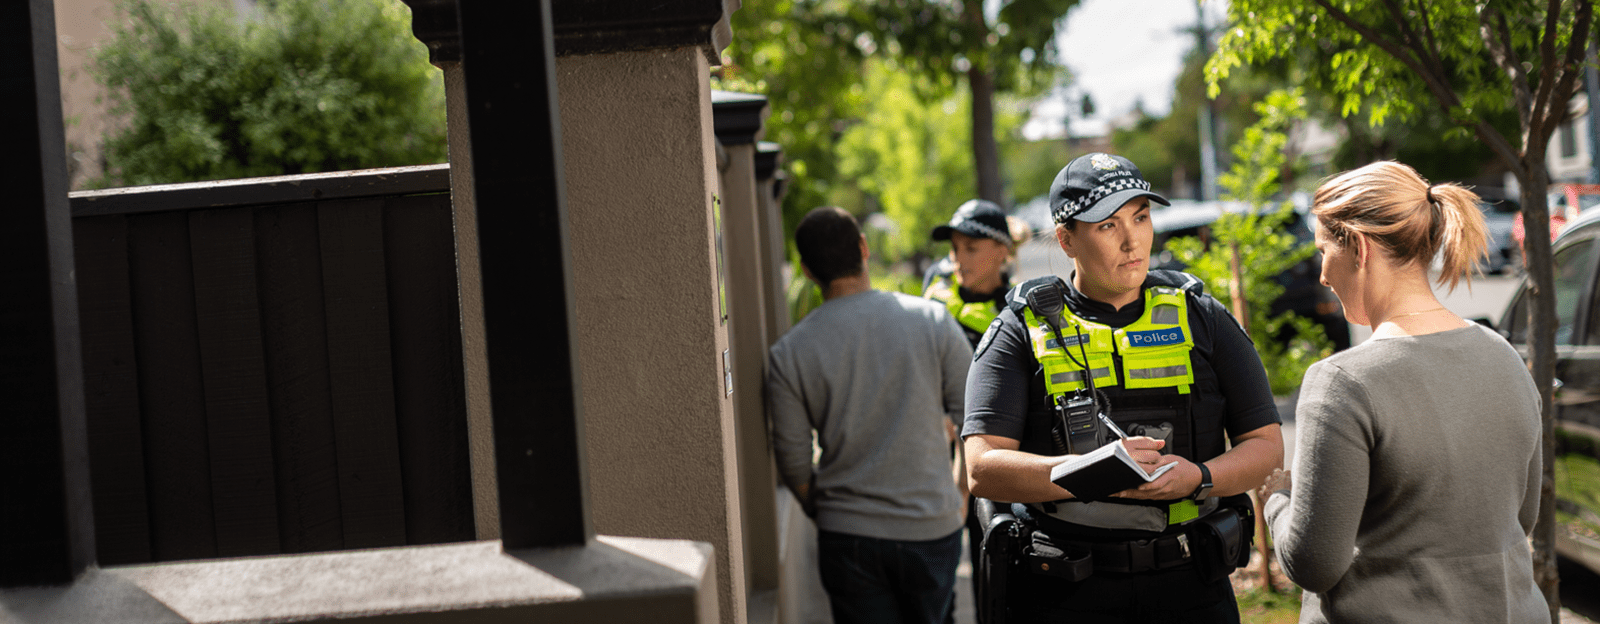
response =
{"points": [[1208, 117]]}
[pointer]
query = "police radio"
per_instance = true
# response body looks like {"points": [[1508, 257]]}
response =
{"points": [[1081, 424]]}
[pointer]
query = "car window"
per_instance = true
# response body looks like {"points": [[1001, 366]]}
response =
{"points": [[1571, 275], [1593, 332], [1516, 320]]}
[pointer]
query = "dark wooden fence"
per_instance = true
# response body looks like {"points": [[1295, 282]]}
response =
{"points": [[273, 365]]}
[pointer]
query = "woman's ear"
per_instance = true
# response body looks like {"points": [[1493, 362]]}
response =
{"points": [[1064, 238]]}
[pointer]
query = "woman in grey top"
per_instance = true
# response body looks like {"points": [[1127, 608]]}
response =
{"points": [[1418, 451]]}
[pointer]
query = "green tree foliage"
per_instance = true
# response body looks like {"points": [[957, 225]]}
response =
{"points": [[909, 154], [905, 162], [810, 69], [1013, 53], [1170, 145], [1265, 249], [1471, 61], [1428, 142], [1427, 139], [1260, 153], [814, 59], [297, 86], [1030, 166]]}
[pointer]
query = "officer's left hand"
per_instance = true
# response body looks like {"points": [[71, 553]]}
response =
{"points": [[1179, 482]]}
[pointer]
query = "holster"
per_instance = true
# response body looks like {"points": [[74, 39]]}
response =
{"points": [[1221, 540], [1002, 543], [1066, 560]]}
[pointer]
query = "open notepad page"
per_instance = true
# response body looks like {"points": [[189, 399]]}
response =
{"points": [[1115, 449]]}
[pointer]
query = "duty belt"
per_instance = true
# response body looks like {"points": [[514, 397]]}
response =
{"points": [[1160, 553]]}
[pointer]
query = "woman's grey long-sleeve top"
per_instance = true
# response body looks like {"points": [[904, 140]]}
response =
{"points": [[1416, 483]]}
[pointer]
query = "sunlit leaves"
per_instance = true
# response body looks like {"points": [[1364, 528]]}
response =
{"points": [[816, 61], [300, 86], [1259, 155], [1266, 249], [1381, 79], [912, 155]]}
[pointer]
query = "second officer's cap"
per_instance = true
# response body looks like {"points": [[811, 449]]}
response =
{"points": [[978, 218]]}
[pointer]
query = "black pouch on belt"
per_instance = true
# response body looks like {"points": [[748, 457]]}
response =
{"points": [[1219, 543], [1045, 556]]}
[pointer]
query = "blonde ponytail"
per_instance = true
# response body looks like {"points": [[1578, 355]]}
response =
{"points": [[1465, 237], [1392, 205]]}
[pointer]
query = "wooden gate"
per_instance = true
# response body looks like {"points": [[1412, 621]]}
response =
{"points": [[273, 365]]}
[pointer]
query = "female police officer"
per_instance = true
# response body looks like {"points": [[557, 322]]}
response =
{"points": [[972, 282], [1171, 368]]}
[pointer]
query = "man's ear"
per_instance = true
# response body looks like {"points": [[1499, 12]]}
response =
{"points": [[866, 254], [1064, 238], [807, 270]]}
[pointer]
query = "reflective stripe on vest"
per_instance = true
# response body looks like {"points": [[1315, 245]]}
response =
{"points": [[1154, 348], [1070, 377], [974, 316]]}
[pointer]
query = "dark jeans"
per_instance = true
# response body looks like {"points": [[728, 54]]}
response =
{"points": [[880, 581]]}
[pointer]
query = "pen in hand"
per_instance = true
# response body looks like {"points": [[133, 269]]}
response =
{"points": [[1114, 428]]}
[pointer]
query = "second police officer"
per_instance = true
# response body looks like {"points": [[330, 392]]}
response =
{"points": [[1171, 368], [972, 281]]}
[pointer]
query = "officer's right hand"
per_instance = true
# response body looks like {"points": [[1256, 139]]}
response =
{"points": [[1146, 451]]}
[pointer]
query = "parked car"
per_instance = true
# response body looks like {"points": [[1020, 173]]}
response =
{"points": [[1303, 292], [1576, 265]]}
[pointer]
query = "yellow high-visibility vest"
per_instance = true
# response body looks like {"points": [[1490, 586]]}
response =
{"points": [[1154, 349], [975, 316], [1154, 352]]}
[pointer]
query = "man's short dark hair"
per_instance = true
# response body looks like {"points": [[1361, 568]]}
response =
{"points": [[829, 241]]}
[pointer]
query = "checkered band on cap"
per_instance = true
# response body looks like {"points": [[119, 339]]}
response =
{"points": [[963, 223], [1074, 207]]}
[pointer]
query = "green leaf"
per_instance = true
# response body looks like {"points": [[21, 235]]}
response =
{"points": [[303, 86]]}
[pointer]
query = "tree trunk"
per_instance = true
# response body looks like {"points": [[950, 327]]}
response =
{"points": [[1242, 313], [1542, 362], [985, 152]]}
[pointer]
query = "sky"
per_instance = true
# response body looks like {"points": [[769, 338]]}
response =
{"points": [[1120, 52]]}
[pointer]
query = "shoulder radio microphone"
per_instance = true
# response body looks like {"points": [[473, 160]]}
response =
{"points": [[1082, 425]]}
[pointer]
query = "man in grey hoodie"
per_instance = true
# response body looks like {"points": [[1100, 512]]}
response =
{"points": [[880, 377]]}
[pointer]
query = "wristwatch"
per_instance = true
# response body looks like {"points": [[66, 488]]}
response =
{"points": [[1204, 489]]}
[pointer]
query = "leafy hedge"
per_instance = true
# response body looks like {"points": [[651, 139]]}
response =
{"points": [[202, 92]]}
